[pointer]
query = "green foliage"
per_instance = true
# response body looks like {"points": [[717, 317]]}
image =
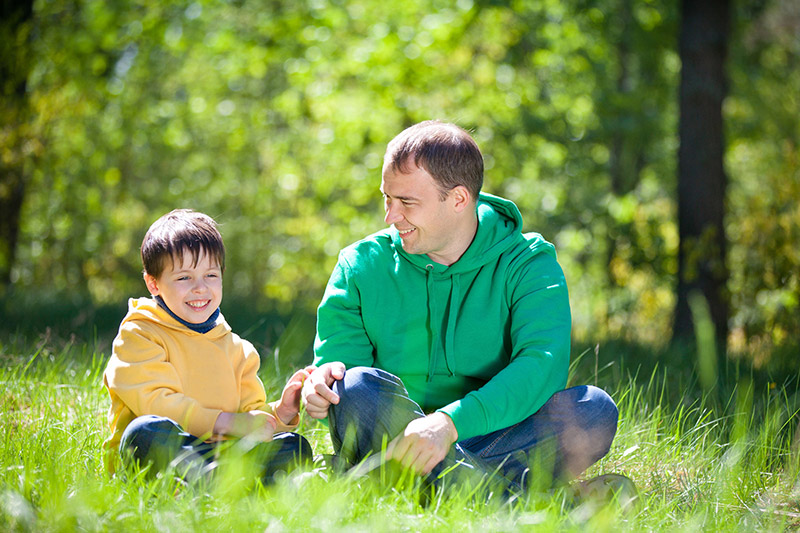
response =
{"points": [[764, 164], [273, 117]]}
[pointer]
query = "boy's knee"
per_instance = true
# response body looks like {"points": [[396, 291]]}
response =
{"points": [[286, 452], [147, 434], [295, 445], [144, 427]]}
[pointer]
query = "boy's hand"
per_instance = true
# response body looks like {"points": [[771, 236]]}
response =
{"points": [[317, 393], [289, 405], [261, 425], [255, 424]]}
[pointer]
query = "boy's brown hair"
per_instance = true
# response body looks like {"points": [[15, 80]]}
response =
{"points": [[177, 232]]}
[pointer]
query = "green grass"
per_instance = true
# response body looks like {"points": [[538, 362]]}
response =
{"points": [[724, 460]]}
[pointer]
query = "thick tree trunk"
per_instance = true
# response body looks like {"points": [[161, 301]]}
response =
{"points": [[15, 26], [701, 176]]}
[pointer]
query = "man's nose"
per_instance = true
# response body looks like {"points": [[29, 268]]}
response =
{"points": [[393, 214]]}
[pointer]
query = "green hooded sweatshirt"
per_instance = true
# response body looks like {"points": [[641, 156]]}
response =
{"points": [[485, 340]]}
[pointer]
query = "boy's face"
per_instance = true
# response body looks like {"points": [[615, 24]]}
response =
{"points": [[191, 292]]}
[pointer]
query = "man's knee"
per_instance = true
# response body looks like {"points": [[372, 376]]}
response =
{"points": [[361, 387], [365, 380], [589, 423], [604, 415], [373, 406]]}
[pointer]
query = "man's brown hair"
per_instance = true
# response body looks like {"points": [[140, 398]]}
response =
{"points": [[447, 152]]}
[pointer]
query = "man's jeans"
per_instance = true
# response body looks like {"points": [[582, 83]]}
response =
{"points": [[570, 432], [162, 443]]}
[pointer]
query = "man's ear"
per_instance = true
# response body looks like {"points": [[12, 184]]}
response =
{"points": [[152, 284], [462, 198]]}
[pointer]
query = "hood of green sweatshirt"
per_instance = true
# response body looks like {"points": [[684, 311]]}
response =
{"points": [[499, 228]]}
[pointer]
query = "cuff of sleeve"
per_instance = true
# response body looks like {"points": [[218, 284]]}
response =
{"points": [[200, 423], [468, 416], [281, 426]]}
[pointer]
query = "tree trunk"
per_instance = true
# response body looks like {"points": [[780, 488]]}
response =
{"points": [[701, 176], [15, 27]]}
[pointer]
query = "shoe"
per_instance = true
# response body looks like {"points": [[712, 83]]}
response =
{"points": [[606, 489], [332, 464], [193, 469]]}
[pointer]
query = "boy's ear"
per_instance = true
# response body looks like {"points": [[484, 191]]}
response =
{"points": [[152, 284]]}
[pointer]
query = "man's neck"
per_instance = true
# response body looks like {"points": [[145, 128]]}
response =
{"points": [[460, 245]]}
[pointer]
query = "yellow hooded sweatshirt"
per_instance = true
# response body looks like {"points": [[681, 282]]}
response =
{"points": [[160, 367]]}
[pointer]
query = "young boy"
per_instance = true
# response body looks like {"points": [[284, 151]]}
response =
{"points": [[180, 381]]}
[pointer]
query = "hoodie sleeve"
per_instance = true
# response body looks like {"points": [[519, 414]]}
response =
{"points": [[252, 389], [253, 394], [140, 374], [341, 335], [540, 339]]}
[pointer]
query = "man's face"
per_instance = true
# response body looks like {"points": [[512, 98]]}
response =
{"points": [[191, 292], [414, 206]]}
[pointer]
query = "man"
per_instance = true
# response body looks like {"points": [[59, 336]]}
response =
{"points": [[451, 327]]}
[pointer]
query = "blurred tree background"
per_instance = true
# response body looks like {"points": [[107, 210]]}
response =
{"points": [[273, 117]]}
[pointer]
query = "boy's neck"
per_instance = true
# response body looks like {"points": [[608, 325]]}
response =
{"points": [[203, 327]]}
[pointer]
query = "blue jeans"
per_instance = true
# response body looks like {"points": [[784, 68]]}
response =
{"points": [[161, 443], [570, 432]]}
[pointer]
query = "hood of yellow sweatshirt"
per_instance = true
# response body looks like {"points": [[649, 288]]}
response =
{"points": [[148, 309]]}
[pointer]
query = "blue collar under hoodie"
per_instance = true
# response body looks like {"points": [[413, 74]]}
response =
{"points": [[201, 327]]}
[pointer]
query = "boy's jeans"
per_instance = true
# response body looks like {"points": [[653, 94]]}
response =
{"points": [[571, 431], [162, 443]]}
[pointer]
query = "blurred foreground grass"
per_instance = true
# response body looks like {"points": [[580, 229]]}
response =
{"points": [[719, 460]]}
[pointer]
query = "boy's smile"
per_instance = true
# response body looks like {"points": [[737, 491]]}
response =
{"points": [[193, 292]]}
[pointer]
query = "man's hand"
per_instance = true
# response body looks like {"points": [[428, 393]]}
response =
{"points": [[289, 405], [317, 393], [424, 443]]}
